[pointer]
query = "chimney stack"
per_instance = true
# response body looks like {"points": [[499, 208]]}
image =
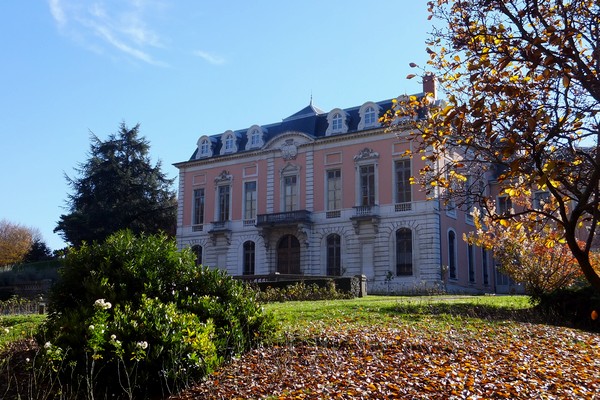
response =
{"points": [[430, 85]]}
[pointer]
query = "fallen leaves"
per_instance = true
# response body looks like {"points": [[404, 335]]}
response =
{"points": [[499, 360]]}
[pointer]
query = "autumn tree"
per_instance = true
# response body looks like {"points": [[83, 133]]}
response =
{"points": [[15, 242], [535, 256], [521, 114], [118, 188]]}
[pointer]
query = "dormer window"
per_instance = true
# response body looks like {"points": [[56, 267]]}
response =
{"points": [[229, 145], [254, 137], [204, 147], [369, 116], [337, 120]]}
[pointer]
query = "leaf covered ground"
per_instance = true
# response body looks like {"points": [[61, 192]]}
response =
{"points": [[413, 353]]}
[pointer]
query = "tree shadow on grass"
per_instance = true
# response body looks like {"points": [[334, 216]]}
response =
{"points": [[533, 315]]}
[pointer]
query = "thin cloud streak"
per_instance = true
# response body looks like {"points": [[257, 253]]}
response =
{"points": [[211, 58], [124, 30]]}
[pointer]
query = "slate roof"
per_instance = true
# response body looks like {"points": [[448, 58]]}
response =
{"points": [[310, 120]]}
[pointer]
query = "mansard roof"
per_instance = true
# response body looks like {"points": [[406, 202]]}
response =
{"points": [[310, 120]]}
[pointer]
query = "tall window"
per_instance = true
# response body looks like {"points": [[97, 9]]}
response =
{"points": [[504, 204], [204, 147], [471, 261], [452, 255], [367, 185], [229, 143], [250, 200], [403, 194], [249, 258], [370, 116], [337, 122], [334, 190], [197, 250], [223, 202], [484, 266], [404, 264], [198, 210], [255, 138], [334, 258], [290, 193]]}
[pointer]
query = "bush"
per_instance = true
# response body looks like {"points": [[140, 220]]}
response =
{"points": [[301, 291], [574, 306], [135, 316]]}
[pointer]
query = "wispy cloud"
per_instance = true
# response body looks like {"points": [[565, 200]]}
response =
{"points": [[118, 25], [57, 12], [211, 58]]}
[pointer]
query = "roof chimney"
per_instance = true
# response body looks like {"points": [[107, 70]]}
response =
{"points": [[430, 84]]}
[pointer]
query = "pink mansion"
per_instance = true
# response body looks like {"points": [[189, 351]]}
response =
{"points": [[325, 193]]}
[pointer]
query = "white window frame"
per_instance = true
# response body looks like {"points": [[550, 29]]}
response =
{"points": [[254, 202], [338, 192]]}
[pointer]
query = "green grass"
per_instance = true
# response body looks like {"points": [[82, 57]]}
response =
{"points": [[17, 327], [425, 311]]}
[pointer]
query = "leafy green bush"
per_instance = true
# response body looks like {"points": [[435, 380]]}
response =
{"points": [[136, 316], [301, 291]]}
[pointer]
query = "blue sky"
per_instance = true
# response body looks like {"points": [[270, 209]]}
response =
{"points": [[182, 69]]}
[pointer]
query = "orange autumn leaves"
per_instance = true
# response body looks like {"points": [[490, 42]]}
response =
{"points": [[502, 360]]}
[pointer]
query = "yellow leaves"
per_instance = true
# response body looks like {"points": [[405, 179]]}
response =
{"points": [[566, 80]]}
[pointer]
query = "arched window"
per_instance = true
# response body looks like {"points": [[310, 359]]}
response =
{"points": [[336, 125], [452, 254], [404, 253], [255, 138], [249, 258], [197, 250], [204, 147], [370, 116], [334, 257], [229, 143]]}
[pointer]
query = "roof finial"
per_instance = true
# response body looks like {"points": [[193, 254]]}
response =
{"points": [[311, 97]]}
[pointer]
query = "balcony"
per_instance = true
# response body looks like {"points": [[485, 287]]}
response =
{"points": [[366, 219], [366, 212], [283, 218], [220, 226]]}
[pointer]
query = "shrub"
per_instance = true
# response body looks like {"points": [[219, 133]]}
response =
{"points": [[301, 291], [574, 306], [135, 316]]}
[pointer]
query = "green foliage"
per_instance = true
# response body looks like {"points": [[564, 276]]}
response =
{"points": [[17, 327], [137, 316], [118, 188], [301, 291]]}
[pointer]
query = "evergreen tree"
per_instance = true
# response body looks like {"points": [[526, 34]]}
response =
{"points": [[118, 188]]}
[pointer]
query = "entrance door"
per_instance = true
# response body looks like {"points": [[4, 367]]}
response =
{"points": [[288, 255]]}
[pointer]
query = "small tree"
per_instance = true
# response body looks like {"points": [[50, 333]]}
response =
{"points": [[533, 255], [523, 86], [15, 242], [118, 188]]}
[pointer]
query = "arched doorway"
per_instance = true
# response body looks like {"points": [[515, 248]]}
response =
{"points": [[288, 255]]}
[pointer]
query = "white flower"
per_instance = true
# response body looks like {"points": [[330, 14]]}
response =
{"points": [[142, 345], [113, 337], [91, 327], [6, 330], [103, 304], [47, 345], [27, 359]]}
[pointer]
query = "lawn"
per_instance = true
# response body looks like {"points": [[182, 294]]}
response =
{"points": [[412, 347], [461, 347]]}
